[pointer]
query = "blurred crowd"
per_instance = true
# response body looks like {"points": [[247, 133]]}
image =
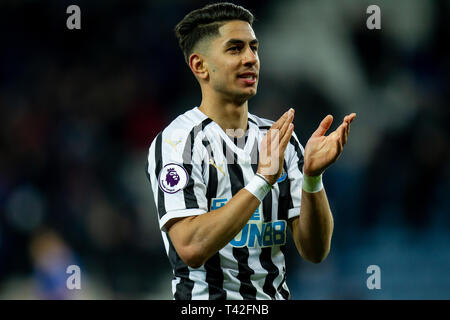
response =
{"points": [[79, 109]]}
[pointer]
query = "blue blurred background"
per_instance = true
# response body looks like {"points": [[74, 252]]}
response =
{"points": [[79, 108]]}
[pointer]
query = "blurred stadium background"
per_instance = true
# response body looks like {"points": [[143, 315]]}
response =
{"points": [[79, 108]]}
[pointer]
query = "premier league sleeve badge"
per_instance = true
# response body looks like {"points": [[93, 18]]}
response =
{"points": [[173, 178]]}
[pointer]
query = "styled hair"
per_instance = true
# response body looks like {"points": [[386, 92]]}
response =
{"points": [[205, 22]]}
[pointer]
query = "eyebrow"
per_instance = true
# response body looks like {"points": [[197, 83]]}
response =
{"points": [[240, 42]]}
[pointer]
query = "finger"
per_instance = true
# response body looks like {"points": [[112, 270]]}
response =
{"points": [[345, 126], [281, 125], [347, 130], [324, 126], [280, 121], [339, 133], [285, 139], [265, 150], [289, 120], [269, 141], [350, 119]]}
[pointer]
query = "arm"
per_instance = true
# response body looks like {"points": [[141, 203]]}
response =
{"points": [[313, 229], [197, 238]]}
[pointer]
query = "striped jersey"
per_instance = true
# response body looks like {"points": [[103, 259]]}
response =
{"points": [[195, 167]]}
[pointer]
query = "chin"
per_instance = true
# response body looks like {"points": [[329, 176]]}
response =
{"points": [[243, 97], [251, 93]]}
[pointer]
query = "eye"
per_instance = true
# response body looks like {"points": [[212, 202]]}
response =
{"points": [[234, 49], [254, 48]]}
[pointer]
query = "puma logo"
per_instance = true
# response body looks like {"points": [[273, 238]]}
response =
{"points": [[211, 161], [173, 144]]}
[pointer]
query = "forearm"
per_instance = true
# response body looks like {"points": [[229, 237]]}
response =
{"points": [[315, 226], [200, 237]]}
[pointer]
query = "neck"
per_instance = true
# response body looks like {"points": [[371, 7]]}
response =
{"points": [[228, 115]]}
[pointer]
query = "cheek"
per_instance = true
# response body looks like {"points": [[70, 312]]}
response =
{"points": [[213, 71], [222, 73], [218, 76]]}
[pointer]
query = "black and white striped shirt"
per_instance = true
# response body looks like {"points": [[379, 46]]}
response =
{"points": [[195, 167]]}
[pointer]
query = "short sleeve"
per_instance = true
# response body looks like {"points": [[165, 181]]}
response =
{"points": [[294, 164], [174, 169]]}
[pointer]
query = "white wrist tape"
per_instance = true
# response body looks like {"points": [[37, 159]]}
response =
{"points": [[258, 187], [312, 184]]}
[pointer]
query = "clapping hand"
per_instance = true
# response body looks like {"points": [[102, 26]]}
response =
{"points": [[321, 151]]}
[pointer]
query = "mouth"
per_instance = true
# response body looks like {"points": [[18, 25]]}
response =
{"points": [[248, 77]]}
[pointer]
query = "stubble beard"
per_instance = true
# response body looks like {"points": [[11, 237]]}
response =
{"points": [[235, 96]]}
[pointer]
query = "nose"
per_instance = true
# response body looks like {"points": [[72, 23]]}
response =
{"points": [[250, 57]]}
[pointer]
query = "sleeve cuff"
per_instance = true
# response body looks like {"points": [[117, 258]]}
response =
{"points": [[178, 214], [294, 212]]}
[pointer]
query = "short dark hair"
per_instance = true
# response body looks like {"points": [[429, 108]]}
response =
{"points": [[205, 22]]}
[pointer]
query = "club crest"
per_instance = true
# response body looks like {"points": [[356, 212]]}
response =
{"points": [[282, 176]]}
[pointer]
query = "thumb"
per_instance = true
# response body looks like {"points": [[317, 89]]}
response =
{"points": [[324, 126]]}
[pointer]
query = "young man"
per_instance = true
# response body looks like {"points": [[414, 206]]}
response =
{"points": [[227, 184]]}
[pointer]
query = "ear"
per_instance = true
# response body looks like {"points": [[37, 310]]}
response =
{"points": [[198, 66]]}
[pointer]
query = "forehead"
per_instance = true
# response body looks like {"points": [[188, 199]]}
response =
{"points": [[235, 29]]}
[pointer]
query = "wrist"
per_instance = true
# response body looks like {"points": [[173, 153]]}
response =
{"points": [[264, 178], [267, 177], [312, 184], [259, 187]]}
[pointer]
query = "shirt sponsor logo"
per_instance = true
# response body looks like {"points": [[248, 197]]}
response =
{"points": [[173, 178], [256, 233]]}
